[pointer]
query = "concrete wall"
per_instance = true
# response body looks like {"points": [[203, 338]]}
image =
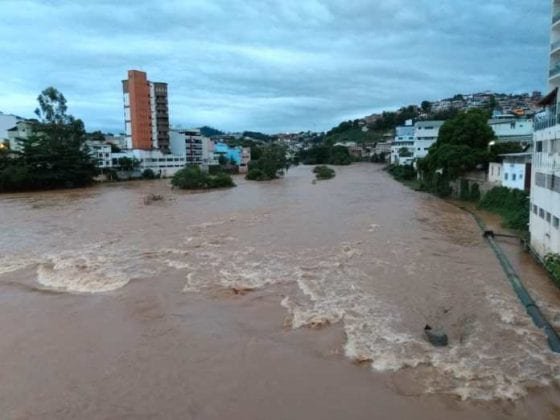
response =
{"points": [[495, 173]]}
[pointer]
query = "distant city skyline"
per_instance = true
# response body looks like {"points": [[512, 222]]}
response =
{"points": [[269, 66]]}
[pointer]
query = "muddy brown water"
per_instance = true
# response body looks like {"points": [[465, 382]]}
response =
{"points": [[274, 300]]}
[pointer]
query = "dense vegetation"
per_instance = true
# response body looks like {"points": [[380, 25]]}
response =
{"points": [[552, 264], [325, 155], [192, 178], [269, 163], [323, 172], [402, 172], [511, 204], [209, 131], [354, 130], [257, 136], [53, 156]]}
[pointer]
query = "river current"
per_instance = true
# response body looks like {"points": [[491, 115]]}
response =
{"points": [[359, 252]]}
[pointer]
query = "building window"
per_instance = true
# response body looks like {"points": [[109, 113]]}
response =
{"points": [[555, 222], [548, 217], [539, 146], [541, 213], [513, 177], [535, 209], [506, 176]]}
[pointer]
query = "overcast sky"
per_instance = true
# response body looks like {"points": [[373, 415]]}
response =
{"points": [[268, 65]]}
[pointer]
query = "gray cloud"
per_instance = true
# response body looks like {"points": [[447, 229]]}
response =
{"points": [[270, 65]]}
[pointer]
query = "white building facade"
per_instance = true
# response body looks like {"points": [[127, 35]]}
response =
{"points": [[516, 170], [7, 122], [509, 129], [425, 134], [402, 149], [544, 224]]}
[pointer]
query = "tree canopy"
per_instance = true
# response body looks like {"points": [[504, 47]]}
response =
{"points": [[462, 145], [54, 155], [271, 162]]}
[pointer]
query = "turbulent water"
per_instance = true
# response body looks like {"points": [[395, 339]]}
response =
{"points": [[358, 250]]}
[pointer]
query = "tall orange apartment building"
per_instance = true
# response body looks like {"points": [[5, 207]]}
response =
{"points": [[146, 112]]}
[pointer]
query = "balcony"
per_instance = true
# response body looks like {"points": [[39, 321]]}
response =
{"points": [[554, 46], [554, 71], [556, 18], [548, 118]]}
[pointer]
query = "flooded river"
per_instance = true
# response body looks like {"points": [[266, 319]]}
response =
{"points": [[274, 300]]}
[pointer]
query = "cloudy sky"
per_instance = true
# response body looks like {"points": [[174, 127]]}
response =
{"points": [[268, 65]]}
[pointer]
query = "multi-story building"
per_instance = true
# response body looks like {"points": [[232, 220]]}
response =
{"points": [[544, 224], [146, 113], [425, 134], [101, 152], [190, 143], [22, 130], [7, 121], [510, 129], [402, 147]]}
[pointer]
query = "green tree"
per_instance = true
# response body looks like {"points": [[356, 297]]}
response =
{"points": [[222, 160], [52, 107], [271, 162], [461, 146], [192, 178], [426, 106], [54, 155], [128, 164]]}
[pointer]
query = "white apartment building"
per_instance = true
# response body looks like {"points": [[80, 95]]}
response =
{"points": [[22, 130], [163, 164], [101, 152], [425, 134], [402, 149], [199, 150], [544, 224], [7, 121]]}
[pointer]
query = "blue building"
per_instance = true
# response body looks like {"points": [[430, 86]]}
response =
{"points": [[231, 153]]}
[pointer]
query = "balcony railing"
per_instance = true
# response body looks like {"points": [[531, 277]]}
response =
{"points": [[547, 118], [554, 45], [554, 71], [555, 18]]}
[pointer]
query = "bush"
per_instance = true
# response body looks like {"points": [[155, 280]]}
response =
{"points": [[192, 178], [402, 172], [148, 174], [552, 264], [256, 174], [221, 180], [511, 204], [324, 172]]}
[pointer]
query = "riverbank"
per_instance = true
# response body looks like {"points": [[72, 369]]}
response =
{"points": [[327, 275]]}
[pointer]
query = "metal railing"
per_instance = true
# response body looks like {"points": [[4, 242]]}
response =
{"points": [[547, 118], [554, 70]]}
